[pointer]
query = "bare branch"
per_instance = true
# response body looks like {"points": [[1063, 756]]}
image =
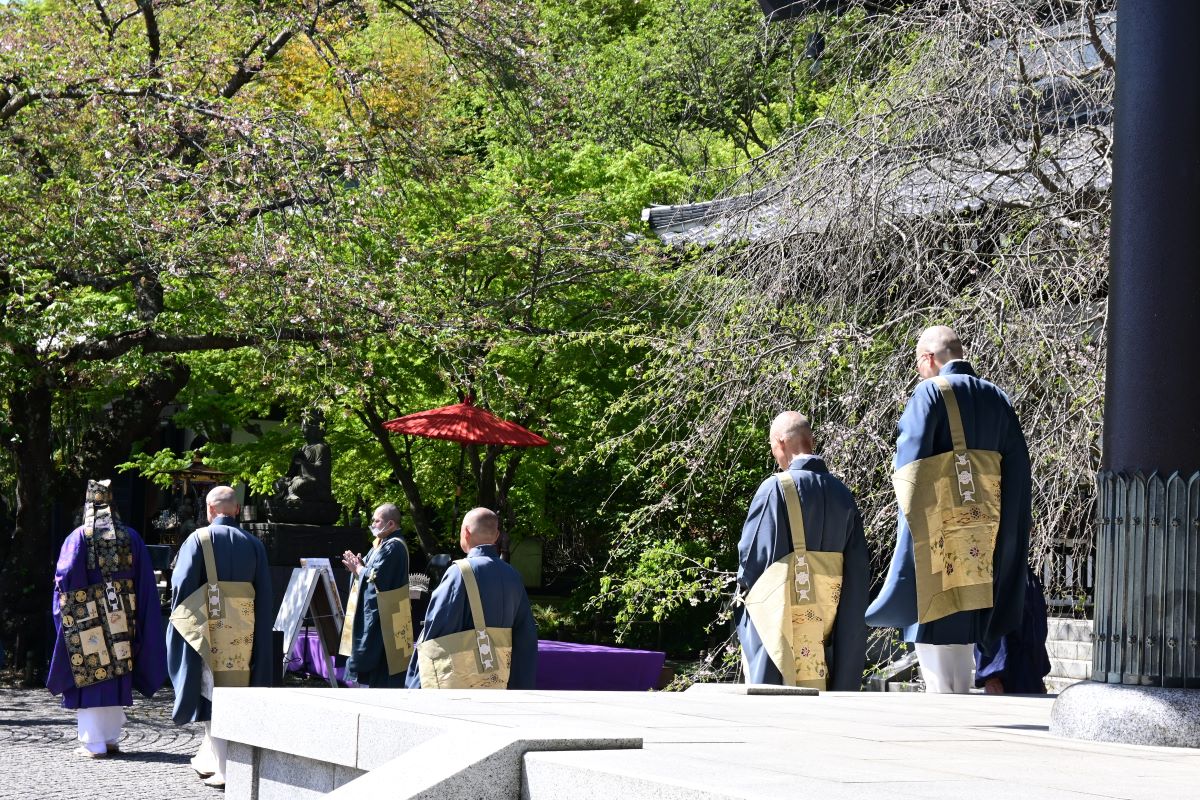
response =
{"points": [[966, 183], [249, 65]]}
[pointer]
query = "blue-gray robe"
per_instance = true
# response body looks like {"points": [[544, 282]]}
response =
{"points": [[831, 523], [505, 605], [989, 423], [1020, 661], [240, 557], [368, 663]]}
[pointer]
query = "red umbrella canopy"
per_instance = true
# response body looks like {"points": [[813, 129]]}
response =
{"points": [[466, 423]]}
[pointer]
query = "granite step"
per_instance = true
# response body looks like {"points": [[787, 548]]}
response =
{"points": [[1058, 685], [906, 686], [1069, 630], [1074, 668], [1069, 649]]}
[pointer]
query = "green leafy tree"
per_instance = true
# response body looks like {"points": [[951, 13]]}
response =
{"points": [[160, 199]]}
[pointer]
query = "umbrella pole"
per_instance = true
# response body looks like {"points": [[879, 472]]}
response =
{"points": [[462, 458]]}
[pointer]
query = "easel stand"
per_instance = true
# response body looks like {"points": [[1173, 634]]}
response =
{"points": [[311, 591]]}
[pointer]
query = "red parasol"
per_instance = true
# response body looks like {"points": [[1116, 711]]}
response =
{"points": [[466, 423]]}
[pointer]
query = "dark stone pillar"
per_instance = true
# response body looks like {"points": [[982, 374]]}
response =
{"points": [[1148, 532], [1152, 393]]}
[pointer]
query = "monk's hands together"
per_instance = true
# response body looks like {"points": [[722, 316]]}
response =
{"points": [[352, 561]]}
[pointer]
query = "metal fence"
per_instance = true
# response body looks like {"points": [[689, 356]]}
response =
{"points": [[1147, 615]]}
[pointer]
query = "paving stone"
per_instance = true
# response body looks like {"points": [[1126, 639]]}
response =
{"points": [[37, 740]]}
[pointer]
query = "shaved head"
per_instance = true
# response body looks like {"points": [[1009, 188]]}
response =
{"points": [[790, 426], [942, 342], [222, 500], [791, 435], [479, 526], [389, 513]]}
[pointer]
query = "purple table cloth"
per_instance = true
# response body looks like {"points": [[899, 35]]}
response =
{"points": [[593, 667], [308, 656], [561, 665]]}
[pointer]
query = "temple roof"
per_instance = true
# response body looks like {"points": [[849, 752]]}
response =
{"points": [[1074, 132]]}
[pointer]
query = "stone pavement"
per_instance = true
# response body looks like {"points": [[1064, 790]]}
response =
{"points": [[712, 742], [37, 737]]}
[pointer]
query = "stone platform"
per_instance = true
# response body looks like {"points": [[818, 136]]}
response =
{"points": [[709, 743]]}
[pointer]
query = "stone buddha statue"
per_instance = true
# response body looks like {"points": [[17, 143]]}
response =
{"points": [[304, 495]]}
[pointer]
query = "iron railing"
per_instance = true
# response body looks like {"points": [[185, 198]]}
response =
{"points": [[1147, 614]]}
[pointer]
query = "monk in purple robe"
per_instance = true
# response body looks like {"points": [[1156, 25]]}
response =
{"points": [[108, 624]]}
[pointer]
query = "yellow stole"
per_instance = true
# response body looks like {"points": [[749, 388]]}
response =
{"points": [[793, 604], [346, 643], [217, 620], [952, 504], [395, 617], [480, 658]]}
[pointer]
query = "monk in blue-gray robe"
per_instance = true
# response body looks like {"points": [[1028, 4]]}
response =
{"points": [[1020, 663], [104, 553], [501, 592], [375, 604], [242, 558], [832, 523], [989, 423]]}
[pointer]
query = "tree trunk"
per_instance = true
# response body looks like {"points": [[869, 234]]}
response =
{"points": [[424, 517], [27, 577], [127, 419], [492, 493]]}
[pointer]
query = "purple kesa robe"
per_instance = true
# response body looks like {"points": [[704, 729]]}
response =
{"points": [[149, 651]]}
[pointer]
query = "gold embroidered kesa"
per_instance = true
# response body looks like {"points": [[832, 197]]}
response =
{"points": [[98, 623], [217, 620], [952, 504], [794, 603], [480, 658], [395, 615]]}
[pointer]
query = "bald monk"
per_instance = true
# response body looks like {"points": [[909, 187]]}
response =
{"points": [[828, 599], [243, 660], [501, 595], [957, 575]]}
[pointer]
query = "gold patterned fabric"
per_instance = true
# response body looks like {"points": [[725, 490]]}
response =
{"points": [[217, 620], [99, 626], [395, 616], [108, 548], [99, 621], [793, 604], [952, 504], [480, 658]]}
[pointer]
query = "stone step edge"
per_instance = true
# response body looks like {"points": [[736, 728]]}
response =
{"points": [[1061, 648], [453, 765], [1075, 668], [1069, 630]]}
